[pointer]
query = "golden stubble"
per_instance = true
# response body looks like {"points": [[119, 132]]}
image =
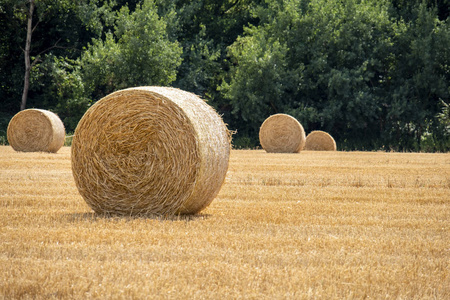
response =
{"points": [[328, 225]]}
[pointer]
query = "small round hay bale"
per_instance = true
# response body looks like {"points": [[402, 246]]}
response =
{"points": [[150, 151], [320, 141], [34, 130], [281, 133]]}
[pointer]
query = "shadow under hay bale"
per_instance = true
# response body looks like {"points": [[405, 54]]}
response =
{"points": [[282, 133], [150, 150], [320, 141], [93, 216], [34, 130]]}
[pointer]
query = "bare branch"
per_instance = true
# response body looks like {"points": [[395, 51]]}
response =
{"points": [[36, 60], [50, 48], [39, 21]]}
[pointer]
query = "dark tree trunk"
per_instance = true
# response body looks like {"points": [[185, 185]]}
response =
{"points": [[26, 83]]}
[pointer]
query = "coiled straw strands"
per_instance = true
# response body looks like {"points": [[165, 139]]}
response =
{"points": [[150, 151], [320, 141], [34, 130], [281, 133]]}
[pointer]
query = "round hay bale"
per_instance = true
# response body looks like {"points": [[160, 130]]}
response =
{"points": [[281, 133], [150, 151], [320, 141], [34, 130]]}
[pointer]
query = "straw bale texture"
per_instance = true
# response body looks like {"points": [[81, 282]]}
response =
{"points": [[150, 150], [320, 141], [34, 130], [281, 133]]}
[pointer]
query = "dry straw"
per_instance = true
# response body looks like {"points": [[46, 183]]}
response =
{"points": [[281, 133], [34, 130], [150, 150], [320, 141]]}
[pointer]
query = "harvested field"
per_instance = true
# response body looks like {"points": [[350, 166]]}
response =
{"points": [[314, 225]]}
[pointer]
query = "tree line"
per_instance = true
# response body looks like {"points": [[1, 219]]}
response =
{"points": [[374, 74]]}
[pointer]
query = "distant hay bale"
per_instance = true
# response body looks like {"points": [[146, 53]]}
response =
{"points": [[34, 130], [320, 141], [281, 133], [150, 151]]}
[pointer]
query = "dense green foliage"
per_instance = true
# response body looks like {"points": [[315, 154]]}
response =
{"points": [[375, 74]]}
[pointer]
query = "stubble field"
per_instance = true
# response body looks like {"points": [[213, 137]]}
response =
{"points": [[314, 225]]}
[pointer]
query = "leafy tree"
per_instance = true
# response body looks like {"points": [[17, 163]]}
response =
{"points": [[260, 82], [324, 61], [420, 78], [61, 88], [137, 52], [11, 70], [372, 73], [405, 8], [58, 29], [205, 28], [47, 30]]}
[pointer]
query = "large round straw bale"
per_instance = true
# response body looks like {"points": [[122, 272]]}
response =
{"points": [[150, 151], [281, 133], [320, 141], [34, 130]]}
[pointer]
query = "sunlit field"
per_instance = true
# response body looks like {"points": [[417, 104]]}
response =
{"points": [[314, 225]]}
